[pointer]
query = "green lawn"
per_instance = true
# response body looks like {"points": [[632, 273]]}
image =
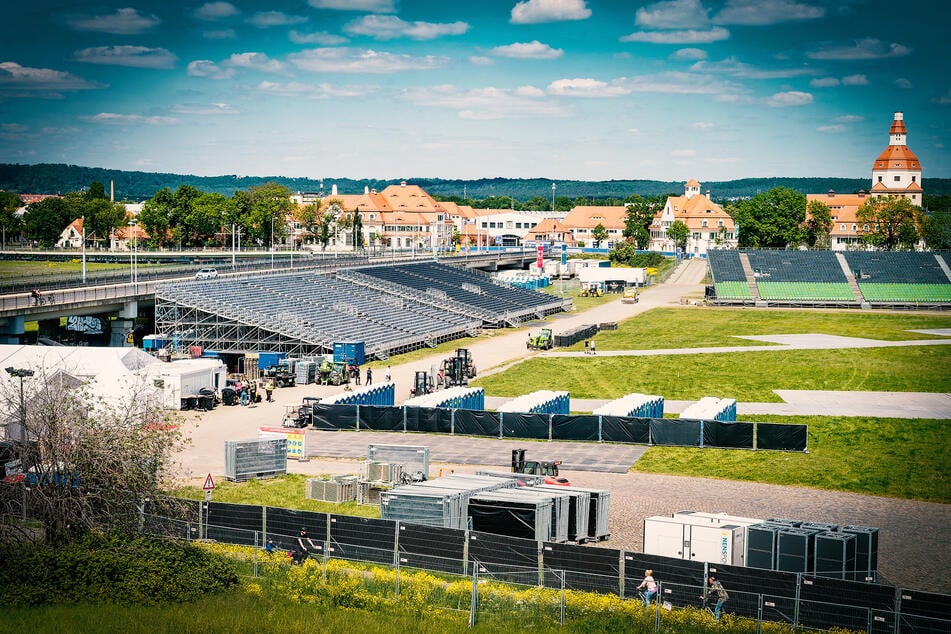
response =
{"points": [[745, 376], [17, 269], [892, 457], [694, 328]]}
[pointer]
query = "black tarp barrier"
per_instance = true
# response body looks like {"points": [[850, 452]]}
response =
{"points": [[779, 605], [679, 573], [781, 437], [432, 548], [517, 425], [428, 419], [586, 569], [503, 517], [731, 435], [744, 596], [381, 418], [362, 539], [499, 554], [475, 423], [675, 431], [283, 526], [624, 429], [574, 427], [924, 612], [329, 417], [573, 336], [853, 601], [233, 523]]}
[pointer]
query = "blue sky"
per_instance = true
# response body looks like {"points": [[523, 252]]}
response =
{"points": [[562, 89]]}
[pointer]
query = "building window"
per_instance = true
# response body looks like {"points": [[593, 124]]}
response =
{"points": [[879, 179], [719, 223], [897, 178], [914, 178], [841, 227], [854, 227], [864, 227]]}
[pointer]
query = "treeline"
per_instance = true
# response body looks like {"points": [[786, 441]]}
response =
{"points": [[50, 178]]}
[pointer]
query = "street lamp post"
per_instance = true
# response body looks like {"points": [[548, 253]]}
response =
{"points": [[132, 268], [84, 249], [553, 197], [22, 373], [272, 242]]}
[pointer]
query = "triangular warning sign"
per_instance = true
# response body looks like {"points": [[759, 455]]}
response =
{"points": [[209, 484]]}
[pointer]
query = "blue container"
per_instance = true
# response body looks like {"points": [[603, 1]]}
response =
{"points": [[349, 352], [268, 359]]}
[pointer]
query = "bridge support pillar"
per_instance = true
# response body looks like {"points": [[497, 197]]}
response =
{"points": [[11, 329], [130, 310], [121, 332]]}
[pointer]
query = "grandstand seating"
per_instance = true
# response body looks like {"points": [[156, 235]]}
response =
{"points": [[811, 276], [899, 276], [729, 279]]}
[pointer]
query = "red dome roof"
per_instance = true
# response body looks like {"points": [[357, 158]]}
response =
{"points": [[897, 157]]}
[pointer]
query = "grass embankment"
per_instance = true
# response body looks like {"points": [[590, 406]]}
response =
{"points": [[892, 457], [28, 268]]}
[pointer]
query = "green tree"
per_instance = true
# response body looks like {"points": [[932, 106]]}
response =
{"points": [[183, 200], [309, 217], [818, 225], [10, 223], [936, 230], [679, 232], [773, 219], [323, 230], [206, 217], [357, 230], [537, 203], [102, 217], [270, 204], [599, 234], [155, 217], [893, 222], [45, 220], [96, 191]]}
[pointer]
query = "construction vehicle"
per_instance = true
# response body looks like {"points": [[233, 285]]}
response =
{"points": [[333, 373], [422, 384], [542, 341], [547, 468], [630, 295], [592, 289], [281, 375], [456, 370]]}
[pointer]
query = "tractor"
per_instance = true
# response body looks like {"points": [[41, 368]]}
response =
{"points": [[422, 384], [630, 295], [542, 341], [546, 468], [333, 373], [592, 289]]}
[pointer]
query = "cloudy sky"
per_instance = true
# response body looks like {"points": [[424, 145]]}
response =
{"points": [[562, 89]]}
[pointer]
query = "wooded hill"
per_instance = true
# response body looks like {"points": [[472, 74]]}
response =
{"points": [[48, 178]]}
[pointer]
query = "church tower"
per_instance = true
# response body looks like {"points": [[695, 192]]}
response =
{"points": [[897, 171]]}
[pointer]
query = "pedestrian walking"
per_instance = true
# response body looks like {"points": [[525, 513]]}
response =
{"points": [[716, 588], [245, 397], [269, 390], [592, 347], [369, 376], [35, 294], [356, 374], [388, 375], [649, 586], [587, 346]]}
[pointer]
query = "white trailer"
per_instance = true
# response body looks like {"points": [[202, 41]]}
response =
{"points": [[673, 537], [184, 378], [632, 276]]}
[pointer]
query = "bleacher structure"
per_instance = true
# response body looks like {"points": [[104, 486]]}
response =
{"points": [[306, 312], [887, 279]]}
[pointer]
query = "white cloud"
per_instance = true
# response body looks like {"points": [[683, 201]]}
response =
{"points": [[356, 60], [215, 11], [688, 36], [679, 83], [585, 87], [683, 153], [488, 103], [122, 22], [901, 82], [134, 56], [765, 12], [825, 82], [13, 128], [364, 6], [527, 50], [316, 91], [209, 69], [633, 131], [256, 61], [702, 125], [673, 14], [855, 80], [689, 54], [481, 60], [733, 66], [208, 109], [266, 19], [388, 27], [789, 98], [863, 49], [832, 128], [113, 118], [537, 11], [320, 37], [943, 99], [529, 91], [219, 34], [850, 118], [16, 78]]}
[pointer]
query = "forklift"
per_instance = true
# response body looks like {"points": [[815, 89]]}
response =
{"points": [[457, 370], [422, 384], [546, 468]]}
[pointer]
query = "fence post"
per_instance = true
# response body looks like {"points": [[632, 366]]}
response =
{"points": [[550, 417], [501, 423], [658, 600], [474, 599], [465, 552], [759, 615], [452, 422], [701, 433], [357, 414], [256, 546], [541, 565], [264, 523], [868, 628], [621, 574], [796, 607], [600, 428], [404, 418], [561, 618]]}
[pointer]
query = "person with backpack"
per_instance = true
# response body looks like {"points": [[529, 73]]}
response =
{"points": [[302, 550], [649, 586], [716, 588]]}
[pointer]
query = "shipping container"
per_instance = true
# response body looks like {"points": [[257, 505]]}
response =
{"points": [[352, 352], [675, 537]]}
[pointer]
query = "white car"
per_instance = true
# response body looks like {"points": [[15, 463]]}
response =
{"points": [[206, 274]]}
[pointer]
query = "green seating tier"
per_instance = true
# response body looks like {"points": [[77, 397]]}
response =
{"points": [[733, 290], [806, 291], [894, 292]]}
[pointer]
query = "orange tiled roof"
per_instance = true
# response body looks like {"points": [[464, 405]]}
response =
{"points": [[898, 127], [897, 157], [692, 183], [588, 217]]}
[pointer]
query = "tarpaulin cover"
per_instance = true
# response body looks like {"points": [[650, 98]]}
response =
{"points": [[432, 548], [587, 569], [727, 434], [381, 418], [867, 595], [233, 523], [682, 576], [742, 589], [503, 517], [499, 552], [574, 427], [624, 429], [925, 612], [334, 416], [675, 431], [781, 437], [362, 538], [525, 425], [476, 423], [428, 419]]}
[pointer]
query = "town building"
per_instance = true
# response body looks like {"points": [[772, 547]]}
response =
{"points": [[710, 227], [583, 219]]}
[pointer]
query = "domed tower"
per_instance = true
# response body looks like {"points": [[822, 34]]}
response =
{"points": [[897, 171]]}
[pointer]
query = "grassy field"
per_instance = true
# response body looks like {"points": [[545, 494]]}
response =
{"points": [[748, 376], [878, 456], [569, 289], [19, 269], [702, 327]]}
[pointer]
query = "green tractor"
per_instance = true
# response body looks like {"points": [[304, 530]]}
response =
{"points": [[542, 341], [333, 373]]}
